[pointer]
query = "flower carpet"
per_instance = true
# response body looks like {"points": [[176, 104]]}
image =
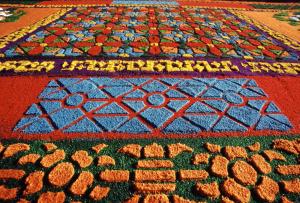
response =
{"points": [[148, 101]]}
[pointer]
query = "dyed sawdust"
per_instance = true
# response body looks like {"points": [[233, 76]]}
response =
{"points": [[29, 158], [273, 155], [133, 199], [161, 198], [11, 174], [232, 152], [99, 192], [114, 176], [217, 4], [133, 150], [255, 147], [14, 149], [178, 199], [8, 193], [75, 2], [292, 186], [208, 189], [244, 173], [24, 84], [193, 175], [288, 169], [23, 201], [226, 200], [34, 182], [176, 149], [49, 146], [219, 166], [154, 187], [284, 199], [267, 189], [235, 182], [50, 159], [155, 164], [267, 18], [202, 158], [154, 151], [1, 147], [61, 174], [32, 16], [213, 148], [236, 191], [155, 176], [286, 145], [57, 197], [81, 184], [106, 161], [260, 164], [98, 148], [297, 145], [82, 158]]}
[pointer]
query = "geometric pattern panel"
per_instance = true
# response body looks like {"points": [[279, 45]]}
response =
{"points": [[152, 105], [150, 31]]}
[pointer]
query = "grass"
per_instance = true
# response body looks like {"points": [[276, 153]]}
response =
{"points": [[19, 1], [284, 16], [16, 15], [274, 6]]}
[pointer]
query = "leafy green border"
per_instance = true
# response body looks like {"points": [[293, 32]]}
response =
{"points": [[122, 191]]}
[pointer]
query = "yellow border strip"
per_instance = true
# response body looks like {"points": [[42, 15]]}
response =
{"points": [[156, 65], [30, 28]]}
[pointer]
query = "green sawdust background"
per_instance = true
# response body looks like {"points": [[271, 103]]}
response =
{"points": [[121, 191]]}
